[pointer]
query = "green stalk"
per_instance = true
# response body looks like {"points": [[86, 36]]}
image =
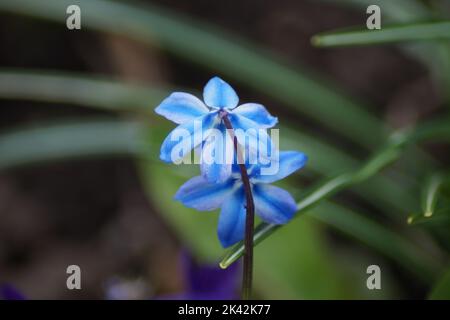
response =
{"points": [[389, 34], [430, 196], [68, 140]]}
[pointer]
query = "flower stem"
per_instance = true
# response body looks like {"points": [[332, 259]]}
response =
{"points": [[250, 216]]}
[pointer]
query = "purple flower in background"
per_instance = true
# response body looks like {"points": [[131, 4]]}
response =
{"points": [[196, 119], [207, 282], [123, 289], [202, 282], [9, 292], [272, 204]]}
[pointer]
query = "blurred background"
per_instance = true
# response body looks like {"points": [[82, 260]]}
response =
{"points": [[80, 178]]}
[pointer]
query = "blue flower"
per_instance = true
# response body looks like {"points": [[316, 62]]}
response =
{"points": [[272, 204], [196, 118]]}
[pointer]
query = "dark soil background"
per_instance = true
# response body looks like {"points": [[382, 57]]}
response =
{"points": [[94, 212]]}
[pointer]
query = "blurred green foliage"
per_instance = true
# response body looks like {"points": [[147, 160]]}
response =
{"points": [[441, 290], [298, 261]]}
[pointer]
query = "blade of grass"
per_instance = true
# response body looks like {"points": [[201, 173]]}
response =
{"points": [[430, 197], [228, 55], [78, 89], [73, 139], [440, 217], [444, 74], [401, 33], [431, 194]]}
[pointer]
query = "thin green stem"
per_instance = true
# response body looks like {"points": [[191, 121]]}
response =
{"points": [[430, 195], [400, 33]]}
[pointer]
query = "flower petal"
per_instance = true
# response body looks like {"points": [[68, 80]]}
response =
{"points": [[288, 162], [217, 156], [217, 93], [185, 137], [255, 141], [181, 107], [273, 204], [197, 193], [256, 113], [232, 219]]}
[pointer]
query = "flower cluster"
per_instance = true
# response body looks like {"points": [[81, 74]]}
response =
{"points": [[220, 184]]}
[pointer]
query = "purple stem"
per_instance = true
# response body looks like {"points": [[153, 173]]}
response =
{"points": [[250, 216]]}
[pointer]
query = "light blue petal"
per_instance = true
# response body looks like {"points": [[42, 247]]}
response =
{"points": [[255, 142], [289, 162], [185, 137], [231, 226], [217, 156], [197, 193], [273, 204], [217, 93], [181, 107], [256, 113]]}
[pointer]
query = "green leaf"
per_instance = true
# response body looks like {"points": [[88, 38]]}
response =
{"points": [[441, 290], [437, 130], [389, 34], [431, 194], [228, 55], [72, 139], [432, 214], [440, 217], [79, 89]]}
